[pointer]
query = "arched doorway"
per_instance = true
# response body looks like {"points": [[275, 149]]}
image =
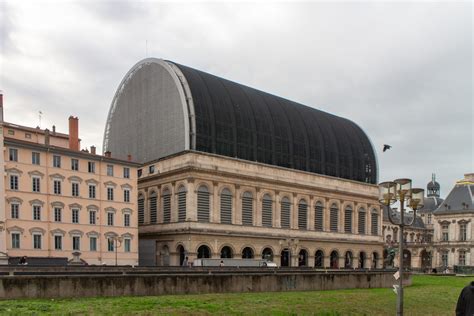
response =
{"points": [[226, 252], [319, 259], [285, 258], [348, 260], [425, 260], [362, 257], [247, 253], [406, 259], [334, 260], [203, 252], [303, 258], [267, 254], [182, 254], [375, 259]]}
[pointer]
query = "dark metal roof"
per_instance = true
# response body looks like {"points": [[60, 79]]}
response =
{"points": [[418, 223], [459, 200], [431, 204], [238, 121]]}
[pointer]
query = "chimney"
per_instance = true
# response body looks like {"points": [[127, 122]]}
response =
{"points": [[46, 137], [1, 107], [108, 154], [93, 150], [54, 129], [129, 157], [73, 133]]}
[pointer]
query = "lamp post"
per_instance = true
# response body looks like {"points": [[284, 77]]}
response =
{"points": [[389, 193], [117, 243]]}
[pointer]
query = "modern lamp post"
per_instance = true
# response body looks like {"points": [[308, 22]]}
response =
{"points": [[389, 193]]}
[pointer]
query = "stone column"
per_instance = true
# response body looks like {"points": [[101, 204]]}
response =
{"points": [[341, 217], [327, 215], [327, 261], [355, 219], [237, 206], [174, 204], [146, 206], [258, 209], [191, 201], [341, 260], [276, 210], [215, 212], [311, 213], [294, 212]]}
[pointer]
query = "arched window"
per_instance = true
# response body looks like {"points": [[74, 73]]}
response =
{"points": [[348, 260], [348, 219], [226, 206], [362, 257], [247, 209], [141, 209], [462, 258], [319, 259], [334, 260], [285, 258], [319, 216], [226, 252], [247, 253], [182, 254], [303, 258], [285, 212], [153, 206], [375, 222], [333, 218], [203, 252], [203, 204], [267, 206], [362, 216], [166, 197], [182, 204], [302, 215], [267, 254]]}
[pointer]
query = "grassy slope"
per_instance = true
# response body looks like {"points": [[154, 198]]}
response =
{"points": [[427, 296]]}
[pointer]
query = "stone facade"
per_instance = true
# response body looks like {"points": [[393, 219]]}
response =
{"points": [[203, 205]]}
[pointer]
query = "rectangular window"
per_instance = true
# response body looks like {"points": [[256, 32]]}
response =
{"points": [[75, 164], [110, 194], [57, 214], [11, 132], [126, 220], [91, 191], [16, 240], [110, 244], [75, 216], [13, 154], [463, 232], [75, 189], [28, 135], [110, 219], [91, 167], [36, 184], [36, 241], [126, 195], [139, 173], [76, 243], [445, 232], [93, 243], [13, 182], [57, 186], [35, 158], [92, 217], [36, 212], [151, 169], [57, 161], [110, 170], [58, 242], [126, 245], [126, 172], [15, 210]]}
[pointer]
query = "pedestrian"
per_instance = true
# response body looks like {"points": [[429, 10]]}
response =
{"points": [[465, 305], [185, 262], [23, 260], [221, 264]]}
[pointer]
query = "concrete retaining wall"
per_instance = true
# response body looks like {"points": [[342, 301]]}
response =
{"points": [[13, 287]]}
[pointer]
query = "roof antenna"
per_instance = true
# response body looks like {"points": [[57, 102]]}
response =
{"points": [[39, 115]]}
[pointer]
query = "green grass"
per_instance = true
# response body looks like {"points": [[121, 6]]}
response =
{"points": [[428, 295]]}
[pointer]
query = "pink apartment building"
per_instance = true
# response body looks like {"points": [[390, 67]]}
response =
{"points": [[63, 204]]}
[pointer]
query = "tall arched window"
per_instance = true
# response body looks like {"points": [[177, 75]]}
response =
{"points": [[182, 203], [319, 259], [319, 216], [267, 254], [166, 197], [226, 252], [375, 222], [302, 215], [141, 209], [285, 212], [333, 218], [267, 206], [203, 252], [362, 216], [153, 207], [247, 253], [348, 219], [203, 209], [334, 260], [247, 209], [348, 260], [226, 206]]}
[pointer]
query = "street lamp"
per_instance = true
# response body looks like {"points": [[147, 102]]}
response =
{"points": [[389, 193], [117, 242]]}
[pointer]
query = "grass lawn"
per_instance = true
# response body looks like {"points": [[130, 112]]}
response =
{"points": [[428, 295]]}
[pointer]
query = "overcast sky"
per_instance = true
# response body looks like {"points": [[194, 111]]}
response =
{"points": [[402, 71]]}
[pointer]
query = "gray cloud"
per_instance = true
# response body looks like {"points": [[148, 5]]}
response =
{"points": [[402, 71]]}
